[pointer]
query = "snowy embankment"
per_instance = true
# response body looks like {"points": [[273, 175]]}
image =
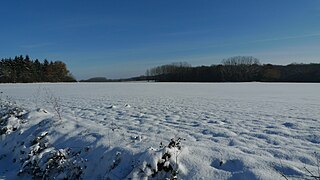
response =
{"points": [[160, 130]]}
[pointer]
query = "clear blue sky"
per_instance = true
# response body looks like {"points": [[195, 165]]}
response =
{"points": [[122, 38]]}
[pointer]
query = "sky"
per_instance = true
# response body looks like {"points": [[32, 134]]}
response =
{"points": [[118, 39]]}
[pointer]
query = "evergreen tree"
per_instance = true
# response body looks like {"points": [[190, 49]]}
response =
{"points": [[24, 70]]}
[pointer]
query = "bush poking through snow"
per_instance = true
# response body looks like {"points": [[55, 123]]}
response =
{"points": [[116, 161], [38, 139], [159, 164], [47, 162], [11, 118], [36, 156]]}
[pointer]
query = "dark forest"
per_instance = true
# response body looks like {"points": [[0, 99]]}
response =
{"points": [[235, 69], [25, 70]]}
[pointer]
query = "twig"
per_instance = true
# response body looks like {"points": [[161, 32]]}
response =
{"points": [[281, 173], [55, 101], [312, 175]]}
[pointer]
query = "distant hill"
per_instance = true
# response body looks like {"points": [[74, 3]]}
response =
{"points": [[96, 79], [103, 79]]}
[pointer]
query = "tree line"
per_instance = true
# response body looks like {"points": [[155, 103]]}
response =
{"points": [[22, 69], [235, 69]]}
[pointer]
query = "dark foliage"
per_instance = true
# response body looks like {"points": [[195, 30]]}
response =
{"points": [[235, 69], [24, 70]]}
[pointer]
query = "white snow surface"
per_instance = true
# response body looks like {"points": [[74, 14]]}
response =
{"points": [[229, 130]]}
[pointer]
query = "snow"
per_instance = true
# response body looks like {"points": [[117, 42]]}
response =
{"points": [[124, 130]]}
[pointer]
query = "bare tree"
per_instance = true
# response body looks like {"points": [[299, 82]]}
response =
{"points": [[241, 61], [241, 68]]}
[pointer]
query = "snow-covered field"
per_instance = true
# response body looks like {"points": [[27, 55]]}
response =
{"points": [[227, 130]]}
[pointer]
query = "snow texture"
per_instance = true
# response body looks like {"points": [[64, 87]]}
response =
{"points": [[159, 130]]}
